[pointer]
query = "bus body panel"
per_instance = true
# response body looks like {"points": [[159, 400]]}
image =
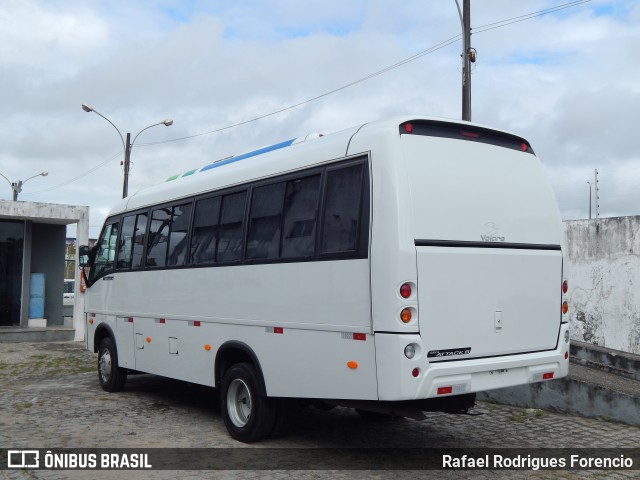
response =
{"points": [[479, 302], [396, 381], [256, 298], [186, 350], [393, 256], [469, 191]]}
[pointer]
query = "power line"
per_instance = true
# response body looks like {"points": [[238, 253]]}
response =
{"points": [[78, 177], [528, 16], [434, 48], [444, 43]]}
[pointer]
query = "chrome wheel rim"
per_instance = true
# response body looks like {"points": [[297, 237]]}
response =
{"points": [[104, 366], [239, 403]]}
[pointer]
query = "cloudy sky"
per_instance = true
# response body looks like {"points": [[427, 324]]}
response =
{"points": [[569, 81]]}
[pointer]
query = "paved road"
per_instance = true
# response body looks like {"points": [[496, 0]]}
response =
{"points": [[50, 398]]}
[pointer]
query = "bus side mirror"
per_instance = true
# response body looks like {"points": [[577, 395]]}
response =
{"points": [[84, 253]]}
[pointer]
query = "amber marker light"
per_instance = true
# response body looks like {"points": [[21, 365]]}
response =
{"points": [[352, 365], [405, 315]]}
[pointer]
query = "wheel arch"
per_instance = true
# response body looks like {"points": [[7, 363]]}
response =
{"points": [[233, 352], [103, 331]]}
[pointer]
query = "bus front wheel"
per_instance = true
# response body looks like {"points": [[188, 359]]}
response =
{"points": [[248, 416], [112, 378]]}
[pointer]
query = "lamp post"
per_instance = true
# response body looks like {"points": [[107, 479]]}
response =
{"points": [[16, 187], [127, 145]]}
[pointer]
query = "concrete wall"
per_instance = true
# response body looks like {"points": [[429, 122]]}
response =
{"points": [[603, 269]]}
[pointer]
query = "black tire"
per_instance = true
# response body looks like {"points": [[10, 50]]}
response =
{"points": [[112, 378], [286, 411], [248, 416]]}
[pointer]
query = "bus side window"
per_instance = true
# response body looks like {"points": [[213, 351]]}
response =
{"points": [[265, 220], [300, 212], [126, 241], [138, 240], [204, 235], [179, 235], [342, 209], [229, 246], [158, 237], [106, 252]]}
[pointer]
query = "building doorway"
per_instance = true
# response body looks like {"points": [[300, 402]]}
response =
{"points": [[11, 258]]}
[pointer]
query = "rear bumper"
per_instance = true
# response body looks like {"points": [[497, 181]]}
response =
{"points": [[397, 382]]}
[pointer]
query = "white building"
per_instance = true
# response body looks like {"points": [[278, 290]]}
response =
{"points": [[32, 265]]}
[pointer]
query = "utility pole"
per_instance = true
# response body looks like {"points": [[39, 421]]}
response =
{"points": [[597, 195], [589, 199], [127, 164], [466, 69], [468, 57]]}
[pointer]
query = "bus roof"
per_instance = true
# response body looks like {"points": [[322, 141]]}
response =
{"points": [[279, 158]]}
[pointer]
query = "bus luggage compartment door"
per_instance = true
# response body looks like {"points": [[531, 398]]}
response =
{"points": [[483, 302]]}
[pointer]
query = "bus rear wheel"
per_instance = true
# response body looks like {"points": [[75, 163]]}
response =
{"points": [[112, 378], [248, 416]]}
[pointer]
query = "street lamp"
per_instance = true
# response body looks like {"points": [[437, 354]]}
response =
{"points": [[127, 145], [16, 187]]}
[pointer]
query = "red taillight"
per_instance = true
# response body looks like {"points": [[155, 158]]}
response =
{"points": [[444, 390], [405, 290], [565, 286], [468, 134], [523, 146], [408, 127]]}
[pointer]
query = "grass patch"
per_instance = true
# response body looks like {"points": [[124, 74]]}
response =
{"points": [[22, 406]]}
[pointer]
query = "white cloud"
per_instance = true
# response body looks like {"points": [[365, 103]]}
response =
{"points": [[567, 81]]}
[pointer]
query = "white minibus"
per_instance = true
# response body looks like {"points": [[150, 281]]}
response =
{"points": [[396, 267]]}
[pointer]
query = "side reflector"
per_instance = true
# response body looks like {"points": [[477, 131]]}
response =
{"points": [[196, 323], [278, 330], [565, 286], [405, 315], [130, 319], [415, 372], [566, 355], [207, 347], [352, 365], [405, 290], [360, 336], [444, 390], [408, 127], [523, 146], [162, 320], [565, 308], [148, 339], [547, 376], [91, 321]]}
